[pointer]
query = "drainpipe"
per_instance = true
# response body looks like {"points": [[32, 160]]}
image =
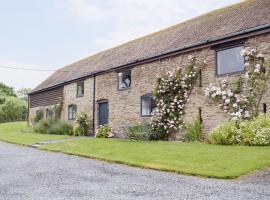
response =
{"points": [[94, 103], [28, 110]]}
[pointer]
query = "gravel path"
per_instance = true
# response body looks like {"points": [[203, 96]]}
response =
{"points": [[27, 173]]}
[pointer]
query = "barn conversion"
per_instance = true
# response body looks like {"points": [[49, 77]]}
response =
{"points": [[115, 86]]}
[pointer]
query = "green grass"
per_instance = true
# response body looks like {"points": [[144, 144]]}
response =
{"points": [[186, 158], [18, 133]]}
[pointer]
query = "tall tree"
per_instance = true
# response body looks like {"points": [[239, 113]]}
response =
{"points": [[6, 90], [23, 93]]}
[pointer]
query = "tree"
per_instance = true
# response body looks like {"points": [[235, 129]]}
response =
{"points": [[23, 93], [6, 90], [13, 109]]}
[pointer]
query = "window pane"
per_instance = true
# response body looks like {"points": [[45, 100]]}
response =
{"points": [[230, 60], [72, 109], [124, 79], [146, 106], [80, 89]]}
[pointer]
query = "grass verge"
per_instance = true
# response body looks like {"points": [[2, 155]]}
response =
{"points": [[186, 158], [18, 133]]}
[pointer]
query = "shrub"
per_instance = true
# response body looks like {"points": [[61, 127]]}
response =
{"points": [[39, 115], [194, 131], [43, 126], [139, 132], [60, 128], [256, 131], [253, 132], [13, 109], [104, 131], [225, 134], [80, 126], [262, 137]]}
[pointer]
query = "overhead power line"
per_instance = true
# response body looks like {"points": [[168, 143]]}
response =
{"points": [[39, 70], [28, 69]]}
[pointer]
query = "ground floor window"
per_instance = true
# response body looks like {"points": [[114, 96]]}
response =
{"points": [[147, 105], [72, 110], [49, 113]]}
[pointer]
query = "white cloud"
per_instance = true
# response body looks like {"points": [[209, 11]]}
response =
{"points": [[130, 19], [21, 78]]}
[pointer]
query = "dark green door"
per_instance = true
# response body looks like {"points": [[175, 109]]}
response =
{"points": [[103, 113]]}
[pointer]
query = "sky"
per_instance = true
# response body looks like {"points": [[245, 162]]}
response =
{"points": [[47, 35]]}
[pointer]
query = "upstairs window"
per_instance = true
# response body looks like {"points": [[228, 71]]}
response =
{"points": [[147, 105], [124, 80], [72, 110], [80, 89], [229, 60]]}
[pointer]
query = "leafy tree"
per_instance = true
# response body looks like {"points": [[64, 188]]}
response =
{"points": [[6, 90], [23, 93], [13, 109]]}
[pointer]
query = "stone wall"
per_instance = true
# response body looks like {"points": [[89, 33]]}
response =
{"points": [[84, 103], [124, 105]]}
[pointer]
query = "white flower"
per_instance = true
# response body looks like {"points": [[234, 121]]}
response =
{"points": [[235, 105], [247, 75], [260, 55], [234, 118], [227, 101], [190, 57], [247, 64]]}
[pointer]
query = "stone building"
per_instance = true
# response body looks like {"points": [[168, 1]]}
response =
{"points": [[115, 86]]}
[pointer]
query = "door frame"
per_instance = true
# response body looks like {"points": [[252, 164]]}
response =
{"points": [[100, 102]]}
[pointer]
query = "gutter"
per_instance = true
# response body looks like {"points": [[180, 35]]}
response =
{"points": [[94, 104], [265, 28]]}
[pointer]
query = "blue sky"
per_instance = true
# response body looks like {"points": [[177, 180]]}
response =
{"points": [[53, 33]]}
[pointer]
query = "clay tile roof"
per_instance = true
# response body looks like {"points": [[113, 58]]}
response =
{"points": [[241, 16]]}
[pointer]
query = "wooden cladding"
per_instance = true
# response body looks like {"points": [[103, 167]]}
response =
{"points": [[47, 98]]}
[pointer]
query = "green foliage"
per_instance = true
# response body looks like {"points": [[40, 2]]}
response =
{"points": [[141, 131], [60, 128], [81, 126], [13, 109], [223, 134], [194, 131], [171, 95], [52, 126], [23, 93], [253, 132], [6, 90], [43, 126], [39, 115], [103, 131]]}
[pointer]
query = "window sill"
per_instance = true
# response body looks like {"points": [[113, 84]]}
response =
{"points": [[231, 73], [146, 116], [123, 89]]}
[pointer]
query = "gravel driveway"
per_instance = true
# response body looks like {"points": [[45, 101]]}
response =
{"points": [[27, 173]]}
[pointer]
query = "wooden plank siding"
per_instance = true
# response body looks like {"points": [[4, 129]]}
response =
{"points": [[46, 98]]}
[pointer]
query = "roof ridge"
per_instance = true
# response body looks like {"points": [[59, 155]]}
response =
{"points": [[160, 31]]}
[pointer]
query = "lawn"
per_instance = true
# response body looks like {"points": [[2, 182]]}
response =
{"points": [[186, 158], [18, 133]]}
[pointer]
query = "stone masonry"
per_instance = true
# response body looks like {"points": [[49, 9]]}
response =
{"points": [[124, 105]]}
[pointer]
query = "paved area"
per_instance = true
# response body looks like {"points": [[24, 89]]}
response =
{"points": [[27, 173]]}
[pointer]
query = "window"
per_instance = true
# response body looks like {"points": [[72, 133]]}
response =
{"points": [[124, 80], [72, 110], [147, 105], [80, 89], [49, 113], [229, 60]]}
